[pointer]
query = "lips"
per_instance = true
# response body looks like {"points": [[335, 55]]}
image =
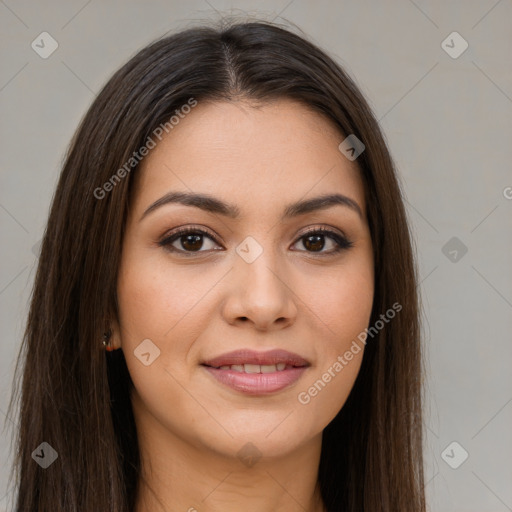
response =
{"points": [[252, 358], [257, 373]]}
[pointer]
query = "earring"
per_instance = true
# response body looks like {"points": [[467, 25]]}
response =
{"points": [[106, 341]]}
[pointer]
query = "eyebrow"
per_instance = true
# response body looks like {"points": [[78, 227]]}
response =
{"points": [[213, 205]]}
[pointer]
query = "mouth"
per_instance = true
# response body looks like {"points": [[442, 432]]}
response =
{"points": [[255, 368], [252, 359], [257, 373]]}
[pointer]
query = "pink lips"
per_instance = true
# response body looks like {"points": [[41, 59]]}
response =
{"points": [[257, 383], [253, 357]]}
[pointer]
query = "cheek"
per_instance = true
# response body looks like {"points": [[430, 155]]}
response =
{"points": [[341, 301], [342, 307], [153, 301], [153, 304]]}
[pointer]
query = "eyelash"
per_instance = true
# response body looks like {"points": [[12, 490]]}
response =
{"points": [[342, 243]]}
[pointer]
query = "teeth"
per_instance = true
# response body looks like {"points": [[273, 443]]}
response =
{"points": [[255, 368]]}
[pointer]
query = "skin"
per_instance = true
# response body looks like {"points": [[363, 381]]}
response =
{"points": [[259, 157]]}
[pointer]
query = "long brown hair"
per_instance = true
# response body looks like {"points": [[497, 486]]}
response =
{"points": [[76, 397]]}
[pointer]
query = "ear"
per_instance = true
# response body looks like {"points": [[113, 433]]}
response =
{"points": [[115, 339], [113, 323]]}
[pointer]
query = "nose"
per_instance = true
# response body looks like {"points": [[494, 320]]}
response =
{"points": [[259, 295]]}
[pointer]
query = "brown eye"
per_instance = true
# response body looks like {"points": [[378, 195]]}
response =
{"points": [[314, 241], [190, 240]]}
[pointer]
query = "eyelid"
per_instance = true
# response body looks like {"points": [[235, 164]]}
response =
{"points": [[338, 236], [322, 228], [181, 230], [191, 227]]}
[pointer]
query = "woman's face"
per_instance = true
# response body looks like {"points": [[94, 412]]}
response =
{"points": [[261, 278]]}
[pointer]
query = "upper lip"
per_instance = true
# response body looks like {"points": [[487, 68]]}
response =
{"points": [[247, 356]]}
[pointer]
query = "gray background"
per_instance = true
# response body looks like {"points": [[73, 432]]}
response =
{"points": [[448, 124]]}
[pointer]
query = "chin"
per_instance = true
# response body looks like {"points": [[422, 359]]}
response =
{"points": [[267, 437]]}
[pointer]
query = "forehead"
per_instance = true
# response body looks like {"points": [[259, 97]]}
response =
{"points": [[258, 156]]}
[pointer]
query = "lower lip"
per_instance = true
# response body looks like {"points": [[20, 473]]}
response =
{"points": [[257, 383]]}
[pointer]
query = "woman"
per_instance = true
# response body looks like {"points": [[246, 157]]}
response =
{"points": [[225, 313]]}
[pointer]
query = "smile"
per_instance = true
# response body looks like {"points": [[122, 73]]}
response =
{"points": [[256, 368], [257, 373]]}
